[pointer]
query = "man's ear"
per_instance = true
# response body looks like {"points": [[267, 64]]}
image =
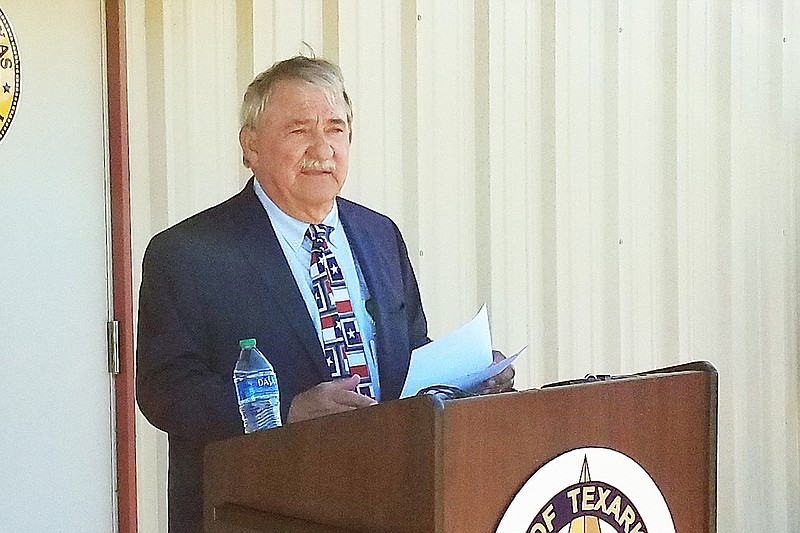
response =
{"points": [[247, 136]]}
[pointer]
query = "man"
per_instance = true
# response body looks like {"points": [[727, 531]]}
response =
{"points": [[260, 265]]}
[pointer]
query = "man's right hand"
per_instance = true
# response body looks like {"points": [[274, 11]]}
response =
{"points": [[328, 398]]}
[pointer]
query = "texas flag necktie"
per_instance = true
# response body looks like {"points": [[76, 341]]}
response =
{"points": [[342, 342]]}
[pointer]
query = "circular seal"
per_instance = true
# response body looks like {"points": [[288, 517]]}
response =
{"points": [[9, 75], [588, 490]]}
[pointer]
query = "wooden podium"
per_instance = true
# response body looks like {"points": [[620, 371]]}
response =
{"points": [[422, 465]]}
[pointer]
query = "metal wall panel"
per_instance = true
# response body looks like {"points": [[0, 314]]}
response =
{"points": [[370, 47], [199, 75], [283, 28], [617, 179], [446, 177]]}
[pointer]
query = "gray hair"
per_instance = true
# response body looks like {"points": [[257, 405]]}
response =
{"points": [[319, 72]]}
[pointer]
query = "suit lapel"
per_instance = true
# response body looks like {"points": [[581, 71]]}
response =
{"points": [[265, 256], [371, 256], [372, 249]]}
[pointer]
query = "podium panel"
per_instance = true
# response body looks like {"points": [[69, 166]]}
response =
{"points": [[367, 470]]}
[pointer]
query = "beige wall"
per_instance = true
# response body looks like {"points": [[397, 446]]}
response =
{"points": [[618, 180]]}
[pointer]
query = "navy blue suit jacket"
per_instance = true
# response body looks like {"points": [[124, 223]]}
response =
{"points": [[221, 276]]}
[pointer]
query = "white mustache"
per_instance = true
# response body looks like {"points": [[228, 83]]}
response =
{"points": [[310, 164]]}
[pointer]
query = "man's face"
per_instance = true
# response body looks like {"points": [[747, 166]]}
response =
{"points": [[299, 151]]}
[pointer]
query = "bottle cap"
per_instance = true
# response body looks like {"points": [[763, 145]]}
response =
{"points": [[247, 343]]}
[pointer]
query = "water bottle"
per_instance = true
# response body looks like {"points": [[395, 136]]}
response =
{"points": [[256, 388]]}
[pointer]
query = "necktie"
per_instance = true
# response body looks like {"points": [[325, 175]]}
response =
{"points": [[342, 342]]}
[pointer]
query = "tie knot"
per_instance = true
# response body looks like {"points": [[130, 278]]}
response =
{"points": [[318, 235]]}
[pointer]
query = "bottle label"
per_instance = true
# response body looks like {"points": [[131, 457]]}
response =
{"points": [[266, 381], [256, 387]]}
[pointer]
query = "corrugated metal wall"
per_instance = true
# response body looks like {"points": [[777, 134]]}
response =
{"points": [[619, 180]]}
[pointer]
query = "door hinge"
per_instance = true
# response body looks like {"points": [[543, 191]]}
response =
{"points": [[112, 330]]}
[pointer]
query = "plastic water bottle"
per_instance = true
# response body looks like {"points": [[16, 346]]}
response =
{"points": [[256, 388]]}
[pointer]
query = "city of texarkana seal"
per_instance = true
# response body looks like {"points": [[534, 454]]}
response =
{"points": [[563, 497], [9, 75]]}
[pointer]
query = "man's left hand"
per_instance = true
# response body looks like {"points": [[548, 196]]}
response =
{"points": [[502, 382]]}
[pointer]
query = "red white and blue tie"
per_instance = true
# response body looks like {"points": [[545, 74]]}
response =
{"points": [[342, 342]]}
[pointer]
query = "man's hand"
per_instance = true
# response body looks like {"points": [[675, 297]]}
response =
{"points": [[502, 382], [327, 398]]}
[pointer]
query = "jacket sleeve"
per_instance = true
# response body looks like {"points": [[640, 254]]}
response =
{"points": [[177, 389]]}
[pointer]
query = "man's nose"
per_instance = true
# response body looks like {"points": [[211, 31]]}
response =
{"points": [[320, 147]]}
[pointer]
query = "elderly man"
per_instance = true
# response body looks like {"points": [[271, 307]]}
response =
{"points": [[243, 269]]}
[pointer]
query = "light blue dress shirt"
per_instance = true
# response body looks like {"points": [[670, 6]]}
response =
{"points": [[297, 249]]}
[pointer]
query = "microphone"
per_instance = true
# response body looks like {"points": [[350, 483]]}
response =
{"points": [[372, 309]]}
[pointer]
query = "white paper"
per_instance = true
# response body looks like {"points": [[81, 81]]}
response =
{"points": [[470, 382], [461, 359]]}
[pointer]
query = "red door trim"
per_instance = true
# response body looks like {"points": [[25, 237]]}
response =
{"points": [[121, 262]]}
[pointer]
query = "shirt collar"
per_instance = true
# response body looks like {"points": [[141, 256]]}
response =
{"points": [[287, 227]]}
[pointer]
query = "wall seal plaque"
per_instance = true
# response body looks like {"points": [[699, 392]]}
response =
{"points": [[9, 75]]}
